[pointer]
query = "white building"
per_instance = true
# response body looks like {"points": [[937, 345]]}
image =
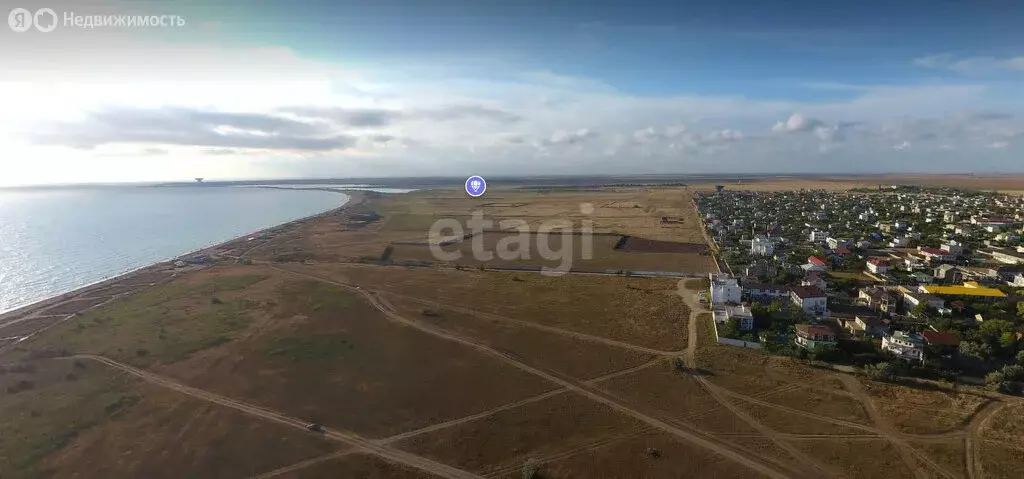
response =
{"points": [[837, 242], [811, 299], [911, 300], [741, 313], [762, 246], [1018, 281], [878, 266], [818, 236], [904, 345], [953, 247], [724, 289]]}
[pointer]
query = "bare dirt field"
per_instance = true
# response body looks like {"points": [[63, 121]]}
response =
{"points": [[850, 456], [357, 465], [573, 356], [509, 438], [578, 252], [920, 411], [651, 455], [641, 311], [81, 419]]}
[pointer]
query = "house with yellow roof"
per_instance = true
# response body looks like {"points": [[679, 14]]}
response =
{"points": [[969, 288]]}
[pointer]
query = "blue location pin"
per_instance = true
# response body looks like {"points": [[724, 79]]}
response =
{"points": [[476, 186]]}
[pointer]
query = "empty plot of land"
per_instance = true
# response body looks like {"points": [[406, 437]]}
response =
{"points": [[633, 244], [923, 411], [949, 455], [169, 322], [857, 458], [819, 402], [1001, 462], [329, 356], [652, 455], [65, 418], [580, 252], [361, 466], [183, 438], [509, 438], [642, 311], [577, 358]]}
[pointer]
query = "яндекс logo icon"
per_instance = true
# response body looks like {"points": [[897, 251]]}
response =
{"points": [[21, 20]]}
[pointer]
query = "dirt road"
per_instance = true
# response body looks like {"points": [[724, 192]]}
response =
{"points": [[349, 438], [692, 435]]}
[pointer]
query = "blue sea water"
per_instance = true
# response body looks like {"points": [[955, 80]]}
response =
{"points": [[56, 240]]}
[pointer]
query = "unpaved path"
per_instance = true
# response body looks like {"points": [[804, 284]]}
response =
{"points": [[687, 433], [690, 298], [349, 438], [977, 424]]}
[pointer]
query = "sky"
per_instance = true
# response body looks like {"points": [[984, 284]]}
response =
{"points": [[261, 89]]}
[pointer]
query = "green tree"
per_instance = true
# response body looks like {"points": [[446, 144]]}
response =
{"points": [[1020, 357], [992, 329], [1020, 309], [976, 350]]}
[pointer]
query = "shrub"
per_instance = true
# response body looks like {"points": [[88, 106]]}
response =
{"points": [[141, 352], [678, 364], [430, 312], [216, 300], [531, 469]]}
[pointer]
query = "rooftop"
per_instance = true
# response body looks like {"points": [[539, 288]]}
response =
{"points": [[969, 288], [808, 292], [941, 339]]}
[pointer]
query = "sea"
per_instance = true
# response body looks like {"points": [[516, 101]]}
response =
{"points": [[53, 241]]}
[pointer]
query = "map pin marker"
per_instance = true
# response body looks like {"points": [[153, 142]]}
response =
{"points": [[476, 186]]}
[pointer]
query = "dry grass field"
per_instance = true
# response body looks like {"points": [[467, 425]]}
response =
{"points": [[415, 371], [641, 311], [920, 411]]}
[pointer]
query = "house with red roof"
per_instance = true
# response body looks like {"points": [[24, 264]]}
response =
{"points": [[878, 265], [933, 255]]}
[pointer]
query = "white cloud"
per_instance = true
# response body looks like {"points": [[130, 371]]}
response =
{"points": [[796, 123], [970, 65], [998, 145], [902, 146]]}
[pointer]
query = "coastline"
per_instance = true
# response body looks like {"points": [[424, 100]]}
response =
{"points": [[164, 268]]}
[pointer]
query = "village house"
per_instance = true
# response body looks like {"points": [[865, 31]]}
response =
{"points": [[815, 337], [1007, 256], [818, 236], [866, 326], [814, 278], [944, 342], [765, 292], [762, 246], [948, 273], [724, 290], [815, 263], [878, 298], [952, 247], [810, 299], [911, 299], [935, 255], [905, 345], [878, 265]]}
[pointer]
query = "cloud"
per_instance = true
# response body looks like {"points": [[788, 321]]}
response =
{"points": [[902, 146], [562, 137], [190, 127], [796, 123], [998, 145], [970, 65], [381, 117], [154, 151]]}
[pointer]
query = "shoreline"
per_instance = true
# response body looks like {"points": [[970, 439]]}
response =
{"points": [[166, 266]]}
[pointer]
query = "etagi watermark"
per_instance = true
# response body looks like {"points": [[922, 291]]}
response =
{"points": [[516, 241], [46, 20]]}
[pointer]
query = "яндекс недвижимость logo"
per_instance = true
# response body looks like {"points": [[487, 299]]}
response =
{"points": [[45, 20]]}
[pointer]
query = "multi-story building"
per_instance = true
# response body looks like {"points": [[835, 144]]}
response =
{"points": [[724, 289], [814, 337], [810, 299], [878, 265], [762, 246], [905, 345]]}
